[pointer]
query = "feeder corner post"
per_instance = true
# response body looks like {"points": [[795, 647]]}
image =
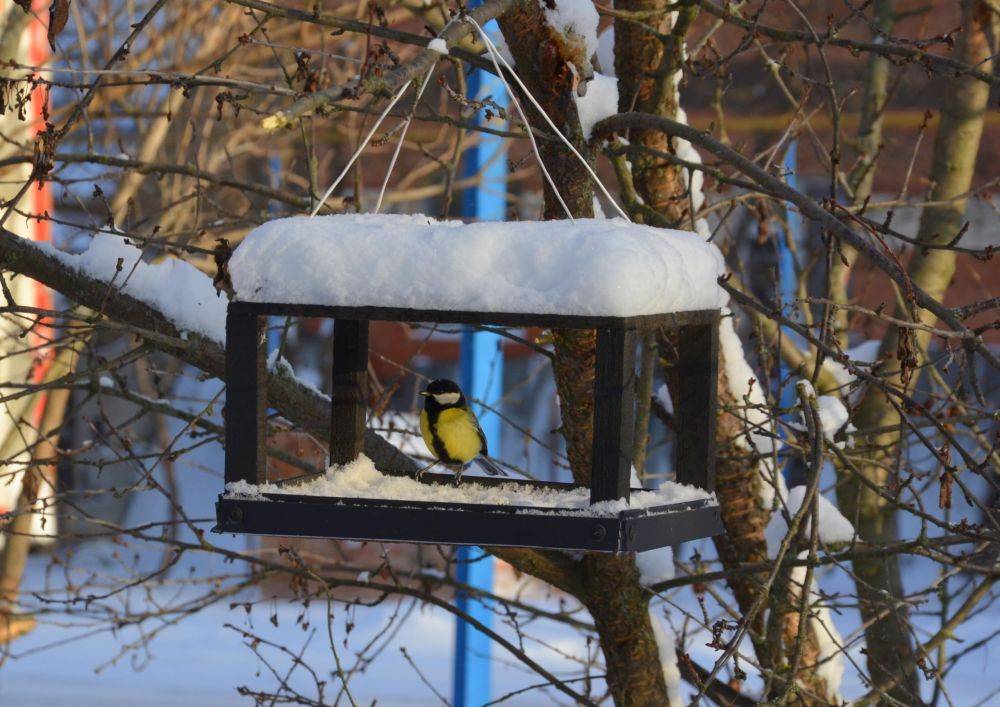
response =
{"points": [[349, 390], [246, 395], [697, 403], [614, 413]]}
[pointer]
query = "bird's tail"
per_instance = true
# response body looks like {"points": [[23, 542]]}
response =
{"points": [[491, 468]]}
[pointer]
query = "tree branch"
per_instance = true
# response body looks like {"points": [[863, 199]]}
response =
{"points": [[453, 33], [298, 403], [887, 49], [808, 207]]}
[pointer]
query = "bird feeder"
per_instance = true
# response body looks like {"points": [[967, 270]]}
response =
{"points": [[618, 526]]}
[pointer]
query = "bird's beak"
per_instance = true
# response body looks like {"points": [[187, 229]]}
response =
{"points": [[424, 393]]}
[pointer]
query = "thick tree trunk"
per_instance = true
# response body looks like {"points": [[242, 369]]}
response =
{"points": [[619, 605], [956, 145], [542, 59], [738, 487], [617, 601], [573, 366], [647, 67]]}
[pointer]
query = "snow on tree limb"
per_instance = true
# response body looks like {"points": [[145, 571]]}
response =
{"points": [[294, 399]]}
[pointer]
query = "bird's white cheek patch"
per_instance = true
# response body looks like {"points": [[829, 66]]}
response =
{"points": [[447, 398]]}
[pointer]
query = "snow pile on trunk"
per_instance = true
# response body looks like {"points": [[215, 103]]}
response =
{"points": [[833, 418], [666, 644], [834, 528], [576, 21], [360, 479], [606, 51], [181, 292], [829, 642], [655, 566], [598, 267], [601, 98], [862, 355], [760, 433], [280, 367], [745, 387], [600, 102]]}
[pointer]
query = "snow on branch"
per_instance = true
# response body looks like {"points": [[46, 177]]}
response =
{"points": [[292, 398], [177, 289]]}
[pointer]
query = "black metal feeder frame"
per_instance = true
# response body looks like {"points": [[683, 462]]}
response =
{"points": [[634, 529]]}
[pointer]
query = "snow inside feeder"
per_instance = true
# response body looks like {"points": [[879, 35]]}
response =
{"points": [[615, 277], [360, 479]]}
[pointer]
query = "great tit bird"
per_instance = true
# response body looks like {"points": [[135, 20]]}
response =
{"points": [[451, 430]]}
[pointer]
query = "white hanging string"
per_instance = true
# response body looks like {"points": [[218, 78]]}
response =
{"points": [[361, 147], [399, 145], [491, 48], [494, 54]]}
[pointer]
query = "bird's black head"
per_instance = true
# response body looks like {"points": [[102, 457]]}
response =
{"points": [[443, 393]]}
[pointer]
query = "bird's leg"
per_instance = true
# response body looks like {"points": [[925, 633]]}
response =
{"points": [[420, 472], [458, 473]]}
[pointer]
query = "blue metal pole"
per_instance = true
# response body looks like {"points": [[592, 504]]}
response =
{"points": [[786, 264], [787, 284], [793, 217], [481, 379], [274, 323]]}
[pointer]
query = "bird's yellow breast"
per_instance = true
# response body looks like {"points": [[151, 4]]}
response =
{"points": [[457, 431]]}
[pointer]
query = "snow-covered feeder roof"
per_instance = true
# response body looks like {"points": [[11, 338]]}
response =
{"points": [[587, 267]]}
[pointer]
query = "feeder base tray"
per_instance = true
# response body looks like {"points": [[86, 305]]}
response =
{"points": [[632, 530]]}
